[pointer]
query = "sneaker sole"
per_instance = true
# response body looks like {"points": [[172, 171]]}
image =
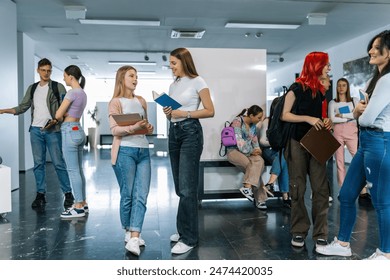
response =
{"points": [[73, 216], [318, 250], [297, 244]]}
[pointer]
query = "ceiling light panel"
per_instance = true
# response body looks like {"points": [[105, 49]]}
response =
{"points": [[138, 63], [261, 25], [121, 22]]}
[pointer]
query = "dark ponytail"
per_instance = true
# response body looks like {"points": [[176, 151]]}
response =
{"points": [[73, 70], [252, 110]]}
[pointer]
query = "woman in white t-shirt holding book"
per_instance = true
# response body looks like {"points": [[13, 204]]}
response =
{"points": [[186, 143]]}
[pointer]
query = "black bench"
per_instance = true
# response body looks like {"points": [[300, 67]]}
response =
{"points": [[217, 194]]}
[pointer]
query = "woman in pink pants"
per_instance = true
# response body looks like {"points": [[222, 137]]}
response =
{"points": [[345, 127]]}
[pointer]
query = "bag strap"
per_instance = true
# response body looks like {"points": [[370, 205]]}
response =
{"points": [[54, 87], [220, 151]]}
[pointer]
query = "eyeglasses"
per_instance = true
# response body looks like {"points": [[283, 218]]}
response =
{"points": [[45, 70]]}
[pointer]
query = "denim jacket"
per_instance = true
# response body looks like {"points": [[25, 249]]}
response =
{"points": [[51, 101]]}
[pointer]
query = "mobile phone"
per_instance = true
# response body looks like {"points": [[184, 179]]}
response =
{"points": [[363, 96]]}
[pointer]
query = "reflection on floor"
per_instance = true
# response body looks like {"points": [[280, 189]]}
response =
{"points": [[229, 229]]}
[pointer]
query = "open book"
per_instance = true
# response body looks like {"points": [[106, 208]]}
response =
{"points": [[363, 96], [165, 100]]}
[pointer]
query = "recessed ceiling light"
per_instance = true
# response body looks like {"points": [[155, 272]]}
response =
{"points": [[261, 25], [121, 22], [138, 63]]}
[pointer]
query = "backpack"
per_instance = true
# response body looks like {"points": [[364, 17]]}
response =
{"points": [[228, 138], [54, 86], [279, 132]]}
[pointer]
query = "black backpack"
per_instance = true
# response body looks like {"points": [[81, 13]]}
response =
{"points": [[279, 132], [54, 86]]}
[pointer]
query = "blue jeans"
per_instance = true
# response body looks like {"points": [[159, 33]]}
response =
{"points": [[371, 165], [185, 149], [279, 167], [73, 141], [132, 170], [51, 141]]}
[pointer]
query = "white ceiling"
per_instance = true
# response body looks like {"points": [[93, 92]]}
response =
{"points": [[92, 46]]}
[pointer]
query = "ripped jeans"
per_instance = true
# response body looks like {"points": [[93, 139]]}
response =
{"points": [[371, 165]]}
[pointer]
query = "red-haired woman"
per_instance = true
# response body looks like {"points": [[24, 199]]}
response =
{"points": [[306, 95]]}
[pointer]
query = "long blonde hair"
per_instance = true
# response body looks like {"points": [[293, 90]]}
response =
{"points": [[120, 89]]}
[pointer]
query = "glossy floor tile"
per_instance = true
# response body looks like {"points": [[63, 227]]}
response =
{"points": [[231, 229]]}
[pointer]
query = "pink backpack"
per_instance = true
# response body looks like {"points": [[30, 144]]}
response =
{"points": [[228, 138]]}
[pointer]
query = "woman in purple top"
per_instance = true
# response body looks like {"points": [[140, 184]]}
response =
{"points": [[73, 138]]}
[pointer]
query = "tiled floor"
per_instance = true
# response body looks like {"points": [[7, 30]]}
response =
{"points": [[229, 229]]}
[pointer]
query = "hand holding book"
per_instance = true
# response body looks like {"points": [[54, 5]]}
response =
{"points": [[165, 100], [49, 124]]}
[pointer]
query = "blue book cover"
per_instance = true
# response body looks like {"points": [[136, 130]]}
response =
{"points": [[165, 100], [344, 110]]}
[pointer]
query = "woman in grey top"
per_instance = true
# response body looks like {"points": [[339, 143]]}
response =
{"points": [[371, 163]]}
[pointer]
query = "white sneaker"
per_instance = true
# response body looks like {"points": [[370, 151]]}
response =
{"points": [[261, 205], [334, 249], [378, 255], [180, 248], [73, 213], [175, 237], [133, 246], [247, 192], [128, 236], [330, 199]]}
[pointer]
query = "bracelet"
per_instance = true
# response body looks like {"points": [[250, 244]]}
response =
{"points": [[188, 115]]}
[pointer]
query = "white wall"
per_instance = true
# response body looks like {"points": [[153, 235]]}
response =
{"points": [[347, 51], [237, 79], [26, 66], [9, 148]]}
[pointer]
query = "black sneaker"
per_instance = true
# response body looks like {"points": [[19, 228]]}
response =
{"points": [[365, 199], [287, 203], [39, 201], [365, 196], [298, 241], [69, 200]]}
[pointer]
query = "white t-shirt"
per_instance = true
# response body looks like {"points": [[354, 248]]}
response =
{"points": [[186, 92], [41, 113], [132, 105]]}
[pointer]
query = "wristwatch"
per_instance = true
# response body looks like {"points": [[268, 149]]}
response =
{"points": [[188, 115]]}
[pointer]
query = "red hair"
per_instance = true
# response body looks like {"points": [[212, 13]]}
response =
{"points": [[312, 70]]}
